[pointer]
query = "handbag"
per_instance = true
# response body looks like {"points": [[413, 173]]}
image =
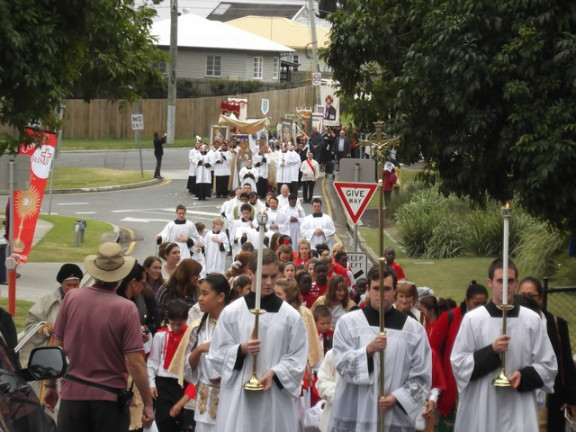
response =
{"points": [[125, 395]]}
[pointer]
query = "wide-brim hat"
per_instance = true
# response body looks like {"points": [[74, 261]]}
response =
{"points": [[109, 264]]}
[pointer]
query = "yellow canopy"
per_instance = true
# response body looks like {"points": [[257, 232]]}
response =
{"points": [[248, 126]]}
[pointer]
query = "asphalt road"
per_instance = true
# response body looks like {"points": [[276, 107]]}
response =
{"points": [[144, 211]]}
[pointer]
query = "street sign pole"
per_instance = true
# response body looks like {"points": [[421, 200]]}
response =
{"points": [[137, 126]]}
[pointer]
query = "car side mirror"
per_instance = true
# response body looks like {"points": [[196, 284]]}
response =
{"points": [[46, 363]]}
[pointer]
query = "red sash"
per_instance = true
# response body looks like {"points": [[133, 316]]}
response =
{"points": [[311, 166]]}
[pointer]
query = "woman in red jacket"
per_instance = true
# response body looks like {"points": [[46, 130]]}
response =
{"points": [[442, 340]]}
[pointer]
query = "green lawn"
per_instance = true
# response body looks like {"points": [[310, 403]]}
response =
{"points": [[58, 243], [447, 277], [72, 178], [118, 144], [22, 308]]}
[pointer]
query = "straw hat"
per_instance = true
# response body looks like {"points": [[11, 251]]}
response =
{"points": [[109, 265]]}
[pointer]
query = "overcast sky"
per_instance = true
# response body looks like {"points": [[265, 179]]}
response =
{"points": [[200, 7]]}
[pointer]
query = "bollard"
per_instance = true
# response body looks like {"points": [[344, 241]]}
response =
{"points": [[79, 228]]}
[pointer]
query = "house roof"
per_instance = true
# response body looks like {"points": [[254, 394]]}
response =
{"points": [[282, 31], [231, 9], [197, 32]]}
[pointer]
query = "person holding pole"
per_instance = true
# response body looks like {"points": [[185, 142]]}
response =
{"points": [[358, 345], [280, 350], [529, 363]]}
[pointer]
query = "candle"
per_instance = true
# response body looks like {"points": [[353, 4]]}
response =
{"points": [[506, 214], [261, 218]]}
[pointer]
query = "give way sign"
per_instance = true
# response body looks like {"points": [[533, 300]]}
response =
{"points": [[355, 197]]}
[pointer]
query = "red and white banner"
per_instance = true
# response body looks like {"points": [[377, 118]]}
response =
{"points": [[27, 202]]}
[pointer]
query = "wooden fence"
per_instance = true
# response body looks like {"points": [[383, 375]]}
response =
{"points": [[103, 119]]}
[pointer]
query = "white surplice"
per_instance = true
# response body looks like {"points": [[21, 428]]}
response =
{"points": [[311, 223], [408, 369], [482, 406], [215, 256], [283, 349], [173, 230], [294, 227]]}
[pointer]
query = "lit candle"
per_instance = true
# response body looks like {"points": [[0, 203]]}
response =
{"points": [[261, 218], [506, 214]]}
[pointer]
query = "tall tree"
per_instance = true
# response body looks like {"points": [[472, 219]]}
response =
{"points": [[483, 90], [52, 48]]}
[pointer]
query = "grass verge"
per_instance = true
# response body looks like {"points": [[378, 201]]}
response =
{"points": [[447, 277], [58, 243], [72, 178], [118, 144], [22, 308]]}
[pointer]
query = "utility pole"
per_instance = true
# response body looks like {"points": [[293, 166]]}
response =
{"points": [[315, 66], [171, 116]]}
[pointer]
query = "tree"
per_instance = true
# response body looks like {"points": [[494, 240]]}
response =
{"points": [[483, 90], [54, 48]]}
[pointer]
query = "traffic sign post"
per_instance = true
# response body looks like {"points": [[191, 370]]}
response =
{"points": [[355, 197], [316, 78], [137, 126], [358, 263], [137, 122]]}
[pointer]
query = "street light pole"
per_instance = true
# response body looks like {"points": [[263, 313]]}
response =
{"points": [[171, 115]]}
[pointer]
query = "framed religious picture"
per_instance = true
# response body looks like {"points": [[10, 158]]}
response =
{"points": [[288, 132], [218, 132], [319, 109], [318, 121]]}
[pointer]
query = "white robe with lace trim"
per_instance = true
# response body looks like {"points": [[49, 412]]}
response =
{"points": [[284, 348], [408, 365]]}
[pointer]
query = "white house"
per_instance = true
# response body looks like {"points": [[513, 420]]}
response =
{"points": [[213, 49], [288, 32]]}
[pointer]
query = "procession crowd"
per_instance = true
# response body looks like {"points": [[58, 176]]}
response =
{"points": [[187, 332]]}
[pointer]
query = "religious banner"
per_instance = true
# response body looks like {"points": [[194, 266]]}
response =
{"points": [[27, 202], [331, 105]]}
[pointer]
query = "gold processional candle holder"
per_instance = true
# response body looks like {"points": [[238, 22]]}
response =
{"points": [[502, 380], [254, 384]]}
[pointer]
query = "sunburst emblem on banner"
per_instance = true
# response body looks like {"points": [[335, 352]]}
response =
{"points": [[27, 205]]}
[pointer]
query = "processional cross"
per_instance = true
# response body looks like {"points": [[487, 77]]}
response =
{"points": [[380, 144]]}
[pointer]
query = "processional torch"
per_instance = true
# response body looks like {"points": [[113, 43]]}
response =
{"points": [[380, 144], [254, 384], [502, 380]]}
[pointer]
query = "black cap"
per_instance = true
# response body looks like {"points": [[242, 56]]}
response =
{"points": [[69, 271]]}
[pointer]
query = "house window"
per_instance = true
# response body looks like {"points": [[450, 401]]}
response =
{"points": [[162, 67], [258, 63], [276, 69], [296, 59], [213, 66]]}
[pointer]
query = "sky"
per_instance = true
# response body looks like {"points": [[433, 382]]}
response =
{"points": [[197, 7]]}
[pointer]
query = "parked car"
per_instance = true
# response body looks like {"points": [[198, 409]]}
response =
{"points": [[20, 409]]}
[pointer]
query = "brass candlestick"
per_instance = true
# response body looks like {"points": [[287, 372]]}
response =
{"points": [[254, 384], [502, 380]]}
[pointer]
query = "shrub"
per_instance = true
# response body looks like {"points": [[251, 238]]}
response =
{"points": [[539, 248], [482, 233], [446, 240], [417, 219]]}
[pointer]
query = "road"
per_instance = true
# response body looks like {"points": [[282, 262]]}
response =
{"points": [[146, 210]]}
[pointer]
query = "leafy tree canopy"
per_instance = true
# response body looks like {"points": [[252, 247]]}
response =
{"points": [[50, 48], [483, 90]]}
